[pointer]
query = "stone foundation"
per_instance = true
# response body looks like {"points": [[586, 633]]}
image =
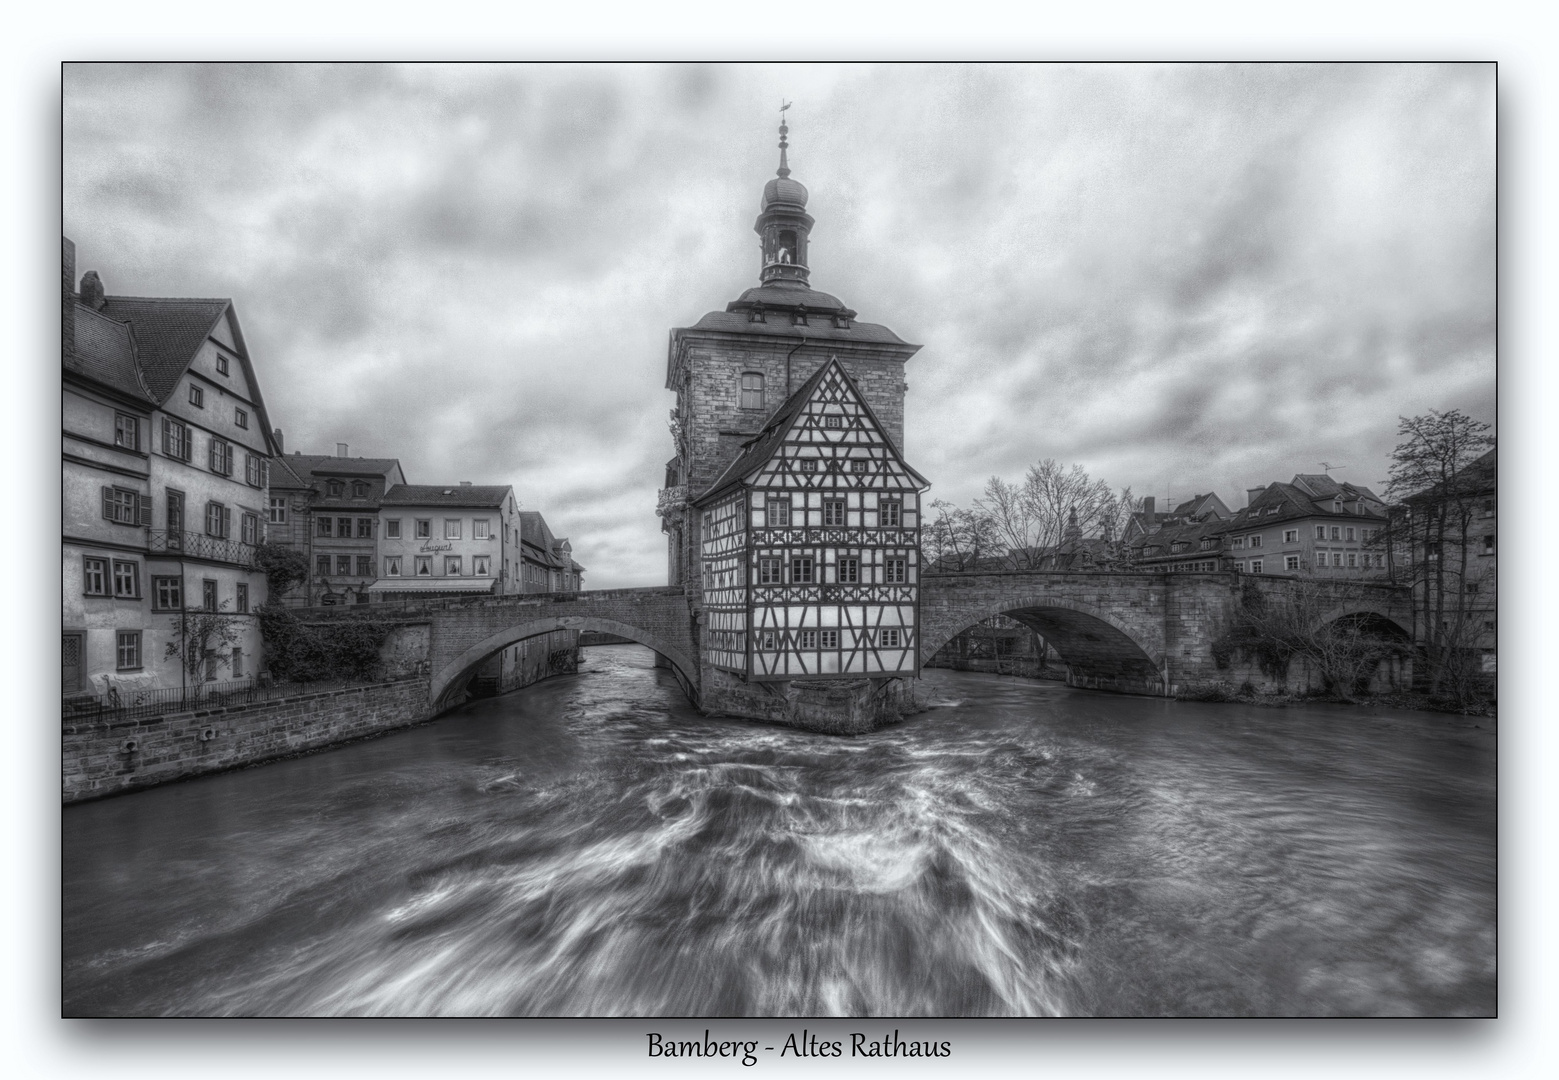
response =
{"points": [[107, 756], [826, 706]]}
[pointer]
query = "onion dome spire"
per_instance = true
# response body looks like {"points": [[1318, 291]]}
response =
{"points": [[783, 224]]}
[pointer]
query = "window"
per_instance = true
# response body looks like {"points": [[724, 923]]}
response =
{"points": [[249, 529], [392, 529], [1488, 544], [1237, 542], [769, 571], [452, 565], [1336, 533], [849, 571], [211, 665], [176, 441], [128, 650], [123, 506], [322, 565], [859, 465], [481, 529], [94, 577], [1336, 507], [1320, 532], [888, 638], [1348, 533], [278, 511], [1255, 566], [1290, 536], [219, 520], [1208, 542], [334, 488], [424, 529], [221, 364], [1380, 560], [252, 475], [1488, 508], [365, 528], [752, 390], [167, 593], [127, 431], [208, 595], [806, 639], [343, 526], [778, 512], [482, 565], [1271, 510], [221, 456], [237, 661], [1353, 559], [809, 464], [343, 565], [451, 528], [890, 514], [893, 571], [424, 566], [1255, 541], [322, 526], [800, 571], [365, 566], [828, 639], [392, 566], [833, 512], [359, 489], [767, 639], [240, 418], [1291, 562], [196, 397], [833, 421]]}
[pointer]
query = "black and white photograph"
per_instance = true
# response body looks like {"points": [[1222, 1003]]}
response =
{"points": [[869, 543]]}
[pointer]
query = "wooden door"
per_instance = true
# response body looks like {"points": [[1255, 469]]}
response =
{"points": [[72, 662]]}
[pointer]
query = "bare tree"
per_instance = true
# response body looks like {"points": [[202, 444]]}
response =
{"points": [[1437, 496], [1011, 516], [205, 638], [957, 538]]}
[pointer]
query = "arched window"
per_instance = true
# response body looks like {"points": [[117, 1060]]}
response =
{"points": [[752, 390]]}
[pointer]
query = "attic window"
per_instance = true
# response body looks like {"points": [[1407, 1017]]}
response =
{"points": [[196, 397], [334, 488], [832, 421], [221, 364], [1337, 506], [1272, 510], [842, 322], [240, 418], [756, 315]]}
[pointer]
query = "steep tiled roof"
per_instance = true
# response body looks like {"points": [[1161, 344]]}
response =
{"points": [[328, 465], [168, 333], [284, 476], [779, 325], [481, 496], [105, 353], [761, 447], [1476, 478], [1292, 503], [1192, 533]]}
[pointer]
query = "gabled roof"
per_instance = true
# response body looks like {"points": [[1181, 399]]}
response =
{"points": [[757, 451], [168, 333], [284, 475], [479, 496], [1190, 532], [1292, 503], [105, 354], [1323, 486]]}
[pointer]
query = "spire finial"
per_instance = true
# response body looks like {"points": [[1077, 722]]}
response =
{"points": [[784, 168]]}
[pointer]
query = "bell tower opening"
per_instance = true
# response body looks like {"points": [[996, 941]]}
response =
{"points": [[783, 226]]}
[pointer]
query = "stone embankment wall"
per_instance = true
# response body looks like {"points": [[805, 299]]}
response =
{"points": [[107, 756]]}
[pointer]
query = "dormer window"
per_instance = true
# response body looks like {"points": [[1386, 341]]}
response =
{"points": [[756, 315], [799, 317], [1272, 510], [1337, 506], [359, 489], [334, 488], [842, 322]]}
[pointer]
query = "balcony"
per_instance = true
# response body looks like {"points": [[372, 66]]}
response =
{"points": [[199, 546], [672, 498]]}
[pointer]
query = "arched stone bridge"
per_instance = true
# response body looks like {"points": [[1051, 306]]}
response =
{"points": [[1146, 633]]}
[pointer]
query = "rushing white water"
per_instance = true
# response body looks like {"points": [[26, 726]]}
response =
{"points": [[592, 846]]}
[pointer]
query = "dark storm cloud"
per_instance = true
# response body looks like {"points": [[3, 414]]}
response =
{"points": [[1183, 277]]}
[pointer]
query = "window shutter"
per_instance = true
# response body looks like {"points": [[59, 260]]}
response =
{"points": [[227, 522], [146, 510], [211, 455], [108, 503], [167, 437]]}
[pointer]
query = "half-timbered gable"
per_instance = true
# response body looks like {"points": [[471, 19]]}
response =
{"points": [[810, 544]]}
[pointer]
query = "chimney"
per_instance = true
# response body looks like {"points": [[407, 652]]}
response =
{"points": [[1251, 493], [92, 290], [340, 449], [465, 483], [67, 297], [1148, 503], [277, 436]]}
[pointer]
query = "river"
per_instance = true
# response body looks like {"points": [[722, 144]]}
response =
{"points": [[591, 845]]}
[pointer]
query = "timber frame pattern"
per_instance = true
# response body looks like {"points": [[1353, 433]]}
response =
{"points": [[810, 545]]}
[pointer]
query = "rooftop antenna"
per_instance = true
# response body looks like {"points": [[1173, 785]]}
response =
{"points": [[1328, 466]]}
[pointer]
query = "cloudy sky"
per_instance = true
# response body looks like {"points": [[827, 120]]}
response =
{"points": [[1182, 277]]}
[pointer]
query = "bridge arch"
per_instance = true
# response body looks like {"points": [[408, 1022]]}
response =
{"points": [[454, 674], [1369, 615], [1101, 650]]}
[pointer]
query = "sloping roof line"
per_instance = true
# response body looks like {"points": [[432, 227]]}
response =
{"points": [[757, 450], [481, 496]]}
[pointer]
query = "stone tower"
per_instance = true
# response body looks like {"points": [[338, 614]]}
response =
{"points": [[734, 368]]}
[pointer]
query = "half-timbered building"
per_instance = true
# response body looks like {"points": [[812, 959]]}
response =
{"points": [[810, 544]]}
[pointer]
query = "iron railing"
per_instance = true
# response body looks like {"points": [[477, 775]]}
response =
{"points": [[129, 703], [200, 546]]}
